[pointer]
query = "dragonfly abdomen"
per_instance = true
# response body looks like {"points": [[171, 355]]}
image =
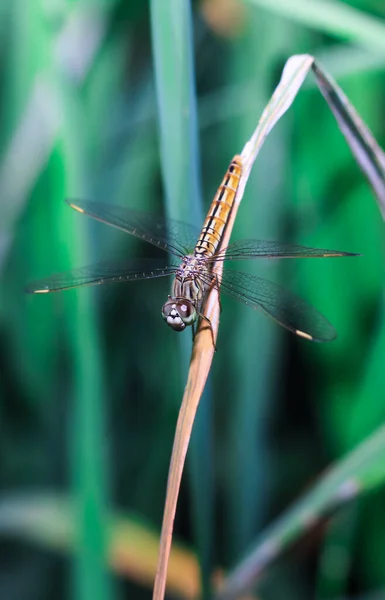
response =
{"points": [[219, 212]]}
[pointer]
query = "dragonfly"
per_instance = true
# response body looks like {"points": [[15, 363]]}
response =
{"points": [[195, 256]]}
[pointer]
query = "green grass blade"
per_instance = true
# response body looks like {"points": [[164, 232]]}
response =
{"points": [[177, 108], [361, 470], [334, 18], [175, 87], [87, 430], [38, 125]]}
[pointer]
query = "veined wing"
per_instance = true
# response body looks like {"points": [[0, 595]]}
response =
{"points": [[246, 249], [104, 272], [173, 236], [285, 307]]}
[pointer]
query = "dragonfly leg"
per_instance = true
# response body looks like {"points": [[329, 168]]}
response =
{"points": [[217, 286]]}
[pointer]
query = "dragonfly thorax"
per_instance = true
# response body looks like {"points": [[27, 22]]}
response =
{"points": [[179, 313], [188, 282]]}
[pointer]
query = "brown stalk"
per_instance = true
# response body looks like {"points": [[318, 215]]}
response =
{"points": [[371, 159], [200, 364]]}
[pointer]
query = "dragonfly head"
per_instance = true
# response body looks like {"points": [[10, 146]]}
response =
{"points": [[179, 313]]}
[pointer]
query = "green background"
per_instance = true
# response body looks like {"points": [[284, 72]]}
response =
{"points": [[91, 379]]}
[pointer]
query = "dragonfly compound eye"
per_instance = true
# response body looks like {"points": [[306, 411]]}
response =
{"points": [[179, 313]]}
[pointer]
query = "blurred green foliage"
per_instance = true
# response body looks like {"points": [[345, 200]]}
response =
{"points": [[91, 379]]}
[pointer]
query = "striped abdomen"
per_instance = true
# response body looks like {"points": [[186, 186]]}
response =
{"points": [[217, 217]]}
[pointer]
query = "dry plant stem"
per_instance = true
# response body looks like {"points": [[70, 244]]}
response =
{"points": [[201, 359], [372, 161], [203, 350], [200, 364]]}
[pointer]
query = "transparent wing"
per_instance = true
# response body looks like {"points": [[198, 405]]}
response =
{"points": [[245, 249], [175, 237], [286, 308], [104, 272]]}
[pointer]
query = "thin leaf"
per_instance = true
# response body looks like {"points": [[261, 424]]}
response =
{"points": [[333, 18], [364, 147], [176, 96], [361, 470], [49, 519], [40, 123], [88, 464]]}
